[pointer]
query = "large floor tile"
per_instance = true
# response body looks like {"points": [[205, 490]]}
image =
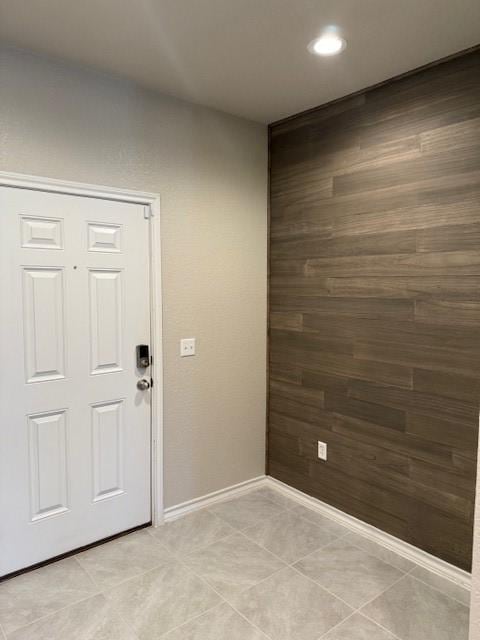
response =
{"points": [[33, 595], [357, 627], [92, 619], [219, 623], [123, 558], [277, 497], [162, 599], [288, 606], [447, 587], [382, 553], [233, 564], [192, 532], [321, 521], [289, 536], [349, 572], [246, 510], [413, 611]]}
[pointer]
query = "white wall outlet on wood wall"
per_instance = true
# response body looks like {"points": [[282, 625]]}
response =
{"points": [[322, 450]]}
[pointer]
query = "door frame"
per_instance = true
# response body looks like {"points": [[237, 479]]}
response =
{"points": [[151, 204]]}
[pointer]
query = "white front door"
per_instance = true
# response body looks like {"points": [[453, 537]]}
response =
{"points": [[74, 429]]}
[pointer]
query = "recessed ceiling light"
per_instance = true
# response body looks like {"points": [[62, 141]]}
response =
{"points": [[329, 44]]}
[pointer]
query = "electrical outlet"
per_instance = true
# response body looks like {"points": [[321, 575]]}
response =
{"points": [[322, 450], [187, 347]]}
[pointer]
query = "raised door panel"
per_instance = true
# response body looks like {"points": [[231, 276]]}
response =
{"points": [[103, 237], [41, 233], [108, 459], [48, 464], [43, 312], [106, 320]]}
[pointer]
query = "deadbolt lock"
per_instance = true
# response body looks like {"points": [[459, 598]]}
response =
{"points": [[143, 356]]}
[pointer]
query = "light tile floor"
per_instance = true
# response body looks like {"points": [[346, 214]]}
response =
{"points": [[259, 567]]}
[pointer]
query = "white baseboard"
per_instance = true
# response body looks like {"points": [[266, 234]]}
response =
{"points": [[172, 513], [404, 549]]}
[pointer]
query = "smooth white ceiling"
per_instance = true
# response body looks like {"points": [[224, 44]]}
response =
{"points": [[246, 57]]}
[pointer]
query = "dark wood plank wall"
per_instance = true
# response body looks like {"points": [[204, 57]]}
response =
{"points": [[375, 305]]}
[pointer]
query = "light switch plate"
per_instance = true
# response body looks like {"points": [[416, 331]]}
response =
{"points": [[187, 347]]}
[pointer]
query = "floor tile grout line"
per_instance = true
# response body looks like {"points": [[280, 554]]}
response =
{"points": [[284, 562], [252, 624], [235, 532], [436, 589], [70, 604], [322, 515], [336, 626], [150, 531], [288, 566], [282, 507], [381, 559], [285, 566], [354, 610], [237, 528], [359, 609], [283, 510], [279, 557], [53, 613], [334, 595], [344, 535], [202, 546], [358, 533], [121, 617], [88, 574], [195, 617], [402, 577], [103, 588], [394, 635], [174, 561], [224, 599], [108, 601], [322, 546], [181, 560], [106, 590], [193, 573]]}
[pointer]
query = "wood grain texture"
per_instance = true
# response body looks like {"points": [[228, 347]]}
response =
{"points": [[375, 305]]}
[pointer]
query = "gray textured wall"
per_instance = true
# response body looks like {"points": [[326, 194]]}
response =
{"points": [[211, 171]]}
